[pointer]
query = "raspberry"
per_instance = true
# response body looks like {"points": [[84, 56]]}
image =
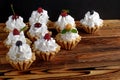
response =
{"points": [[15, 17], [37, 25], [18, 43], [47, 36], [16, 32], [63, 14], [40, 10]]}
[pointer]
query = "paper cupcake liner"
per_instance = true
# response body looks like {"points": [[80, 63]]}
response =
{"points": [[21, 65], [68, 45], [28, 41], [6, 30], [46, 56], [57, 28], [91, 29], [50, 24], [32, 38]]}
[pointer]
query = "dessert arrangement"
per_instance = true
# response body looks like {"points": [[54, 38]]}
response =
{"points": [[39, 41]]}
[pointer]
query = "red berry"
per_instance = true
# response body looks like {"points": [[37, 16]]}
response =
{"points": [[37, 25], [16, 32], [47, 36], [15, 17], [63, 14], [40, 10]]}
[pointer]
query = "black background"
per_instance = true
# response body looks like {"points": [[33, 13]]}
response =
{"points": [[108, 9]]}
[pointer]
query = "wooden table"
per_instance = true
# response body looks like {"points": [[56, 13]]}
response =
{"points": [[96, 57]]}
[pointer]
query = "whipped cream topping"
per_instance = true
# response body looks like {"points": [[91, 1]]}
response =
{"points": [[20, 53], [69, 36], [15, 23], [46, 45], [63, 21], [11, 39], [39, 17], [40, 32], [92, 20]]}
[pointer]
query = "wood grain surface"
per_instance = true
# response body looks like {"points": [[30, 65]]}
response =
{"points": [[96, 57]]}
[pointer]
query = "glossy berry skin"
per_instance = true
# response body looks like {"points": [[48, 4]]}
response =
{"points": [[18, 43], [14, 17], [16, 32], [47, 36], [64, 14], [37, 25], [40, 10]]}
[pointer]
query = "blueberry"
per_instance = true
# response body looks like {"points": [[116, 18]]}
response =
{"points": [[18, 43], [91, 12]]}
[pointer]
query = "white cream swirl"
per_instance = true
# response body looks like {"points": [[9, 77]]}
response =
{"points": [[39, 17], [11, 39], [20, 53], [46, 45], [92, 20], [69, 36], [63, 21], [40, 32], [15, 23]]}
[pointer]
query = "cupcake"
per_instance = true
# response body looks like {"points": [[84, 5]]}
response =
{"points": [[68, 38], [20, 56], [63, 20], [14, 36], [14, 21], [91, 22], [40, 15], [46, 47], [37, 31]]}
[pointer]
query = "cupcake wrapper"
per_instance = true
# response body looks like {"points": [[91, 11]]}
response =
{"points": [[6, 30], [91, 29], [31, 37], [67, 44], [46, 56], [28, 41], [58, 28], [50, 24], [21, 65]]}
